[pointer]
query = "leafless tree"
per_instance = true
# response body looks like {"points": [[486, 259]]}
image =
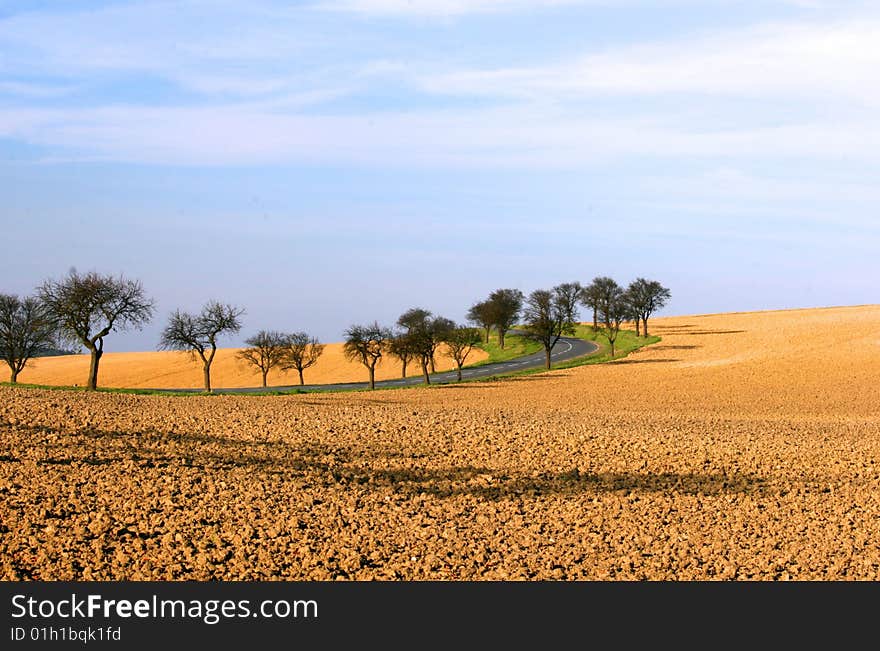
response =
{"points": [[550, 314], [612, 315], [460, 341], [647, 296], [26, 329], [367, 344], [301, 352], [425, 333], [482, 315], [505, 306], [198, 333], [403, 348], [88, 307], [266, 350]]}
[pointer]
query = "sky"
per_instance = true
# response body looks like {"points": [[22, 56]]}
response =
{"points": [[330, 162]]}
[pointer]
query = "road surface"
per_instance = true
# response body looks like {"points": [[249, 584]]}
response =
{"points": [[566, 348]]}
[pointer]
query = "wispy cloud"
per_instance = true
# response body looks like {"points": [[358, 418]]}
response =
{"points": [[781, 60]]}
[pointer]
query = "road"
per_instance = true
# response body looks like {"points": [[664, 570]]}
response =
{"points": [[566, 348]]}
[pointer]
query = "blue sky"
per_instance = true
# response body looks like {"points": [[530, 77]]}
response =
{"points": [[338, 161]]}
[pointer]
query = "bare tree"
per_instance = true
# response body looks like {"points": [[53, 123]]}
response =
{"points": [[402, 347], [367, 344], [550, 314], [460, 341], [613, 314], [198, 333], [301, 352], [88, 307], [647, 297], [26, 329], [425, 333], [481, 314], [505, 306], [591, 297], [266, 350]]}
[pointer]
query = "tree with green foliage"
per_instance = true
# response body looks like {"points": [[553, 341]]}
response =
{"points": [[198, 334], [26, 329], [460, 341], [367, 344], [86, 308]]}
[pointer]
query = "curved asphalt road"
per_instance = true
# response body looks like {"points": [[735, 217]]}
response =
{"points": [[566, 348]]}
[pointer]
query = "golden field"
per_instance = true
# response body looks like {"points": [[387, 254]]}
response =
{"points": [[742, 446], [179, 370]]}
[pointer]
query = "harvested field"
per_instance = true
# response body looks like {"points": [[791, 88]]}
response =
{"points": [[177, 370], [742, 446]]}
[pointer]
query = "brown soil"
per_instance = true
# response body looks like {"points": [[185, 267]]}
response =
{"points": [[743, 446]]}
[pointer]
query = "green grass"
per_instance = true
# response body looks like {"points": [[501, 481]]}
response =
{"points": [[626, 342], [514, 346]]}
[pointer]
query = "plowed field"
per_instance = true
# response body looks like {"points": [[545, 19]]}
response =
{"points": [[742, 446]]}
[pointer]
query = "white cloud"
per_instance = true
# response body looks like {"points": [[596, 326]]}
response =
{"points": [[792, 61]]}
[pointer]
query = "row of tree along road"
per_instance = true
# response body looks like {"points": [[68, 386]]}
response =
{"points": [[83, 309]]}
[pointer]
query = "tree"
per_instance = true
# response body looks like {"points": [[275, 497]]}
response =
{"points": [[88, 307], [590, 297], [26, 329], [550, 314], [425, 333], [301, 352], [505, 306], [481, 314], [198, 333], [401, 346], [266, 350], [460, 341], [598, 295], [647, 297], [367, 344], [613, 314], [439, 326]]}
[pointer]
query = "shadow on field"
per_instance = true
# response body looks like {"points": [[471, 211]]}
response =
{"points": [[148, 454], [664, 347], [711, 332], [661, 360]]}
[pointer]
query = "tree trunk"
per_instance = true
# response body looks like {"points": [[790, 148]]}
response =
{"points": [[645, 325], [595, 319], [403, 362], [547, 357], [501, 338], [425, 372], [207, 373], [637, 326], [372, 377], [612, 349], [488, 329], [93, 369], [265, 373], [14, 377], [301, 379], [433, 369], [459, 372]]}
